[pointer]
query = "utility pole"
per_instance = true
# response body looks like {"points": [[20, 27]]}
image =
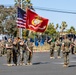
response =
{"points": [[20, 29]]}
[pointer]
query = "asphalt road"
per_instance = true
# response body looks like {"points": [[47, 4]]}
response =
{"points": [[42, 65]]}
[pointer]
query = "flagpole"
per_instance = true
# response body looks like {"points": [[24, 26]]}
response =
{"points": [[20, 29]]}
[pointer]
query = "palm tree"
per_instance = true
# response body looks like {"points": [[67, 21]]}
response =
{"points": [[71, 30], [25, 3], [57, 25], [63, 26]]}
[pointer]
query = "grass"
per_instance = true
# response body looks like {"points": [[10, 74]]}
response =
{"points": [[39, 48]]}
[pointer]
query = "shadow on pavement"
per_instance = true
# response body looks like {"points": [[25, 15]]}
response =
{"points": [[72, 66], [41, 63]]}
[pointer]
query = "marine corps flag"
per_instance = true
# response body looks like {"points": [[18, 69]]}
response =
{"points": [[35, 22]]}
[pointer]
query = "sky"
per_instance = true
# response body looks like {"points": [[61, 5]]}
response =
{"points": [[54, 17]]}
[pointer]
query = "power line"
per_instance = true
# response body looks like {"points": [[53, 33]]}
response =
{"points": [[50, 9], [54, 10]]}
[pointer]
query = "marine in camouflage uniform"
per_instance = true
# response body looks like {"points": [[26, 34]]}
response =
{"points": [[58, 47], [22, 47], [66, 51], [29, 52], [15, 51], [9, 47], [4, 48], [72, 46], [1, 48], [52, 45]]}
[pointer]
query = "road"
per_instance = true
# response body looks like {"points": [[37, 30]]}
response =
{"points": [[42, 65]]}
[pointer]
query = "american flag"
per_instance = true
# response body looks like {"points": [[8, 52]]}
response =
{"points": [[21, 18]]}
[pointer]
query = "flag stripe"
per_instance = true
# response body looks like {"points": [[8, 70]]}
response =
{"points": [[21, 18]]}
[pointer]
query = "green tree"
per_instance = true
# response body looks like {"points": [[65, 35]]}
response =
{"points": [[51, 29], [57, 25], [25, 3], [63, 26], [71, 30], [8, 20]]}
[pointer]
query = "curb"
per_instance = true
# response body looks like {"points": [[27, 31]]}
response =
{"points": [[42, 51]]}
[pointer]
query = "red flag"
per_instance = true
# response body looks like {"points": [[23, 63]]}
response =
{"points": [[35, 22]]}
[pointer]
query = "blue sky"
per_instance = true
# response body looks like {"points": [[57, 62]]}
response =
{"points": [[54, 17]]}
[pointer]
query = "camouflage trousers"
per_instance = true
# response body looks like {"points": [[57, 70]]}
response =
{"points": [[75, 49], [58, 52], [9, 56], [21, 56], [66, 58], [51, 52], [0, 52], [28, 56], [72, 50], [14, 57]]}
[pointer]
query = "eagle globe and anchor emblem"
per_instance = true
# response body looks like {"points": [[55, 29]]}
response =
{"points": [[37, 20]]}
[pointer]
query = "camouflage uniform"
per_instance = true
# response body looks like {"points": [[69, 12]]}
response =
{"points": [[75, 49], [1, 48], [75, 46], [28, 53], [15, 52], [72, 47], [52, 45], [9, 52], [4, 51], [66, 51], [21, 52], [58, 47]]}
